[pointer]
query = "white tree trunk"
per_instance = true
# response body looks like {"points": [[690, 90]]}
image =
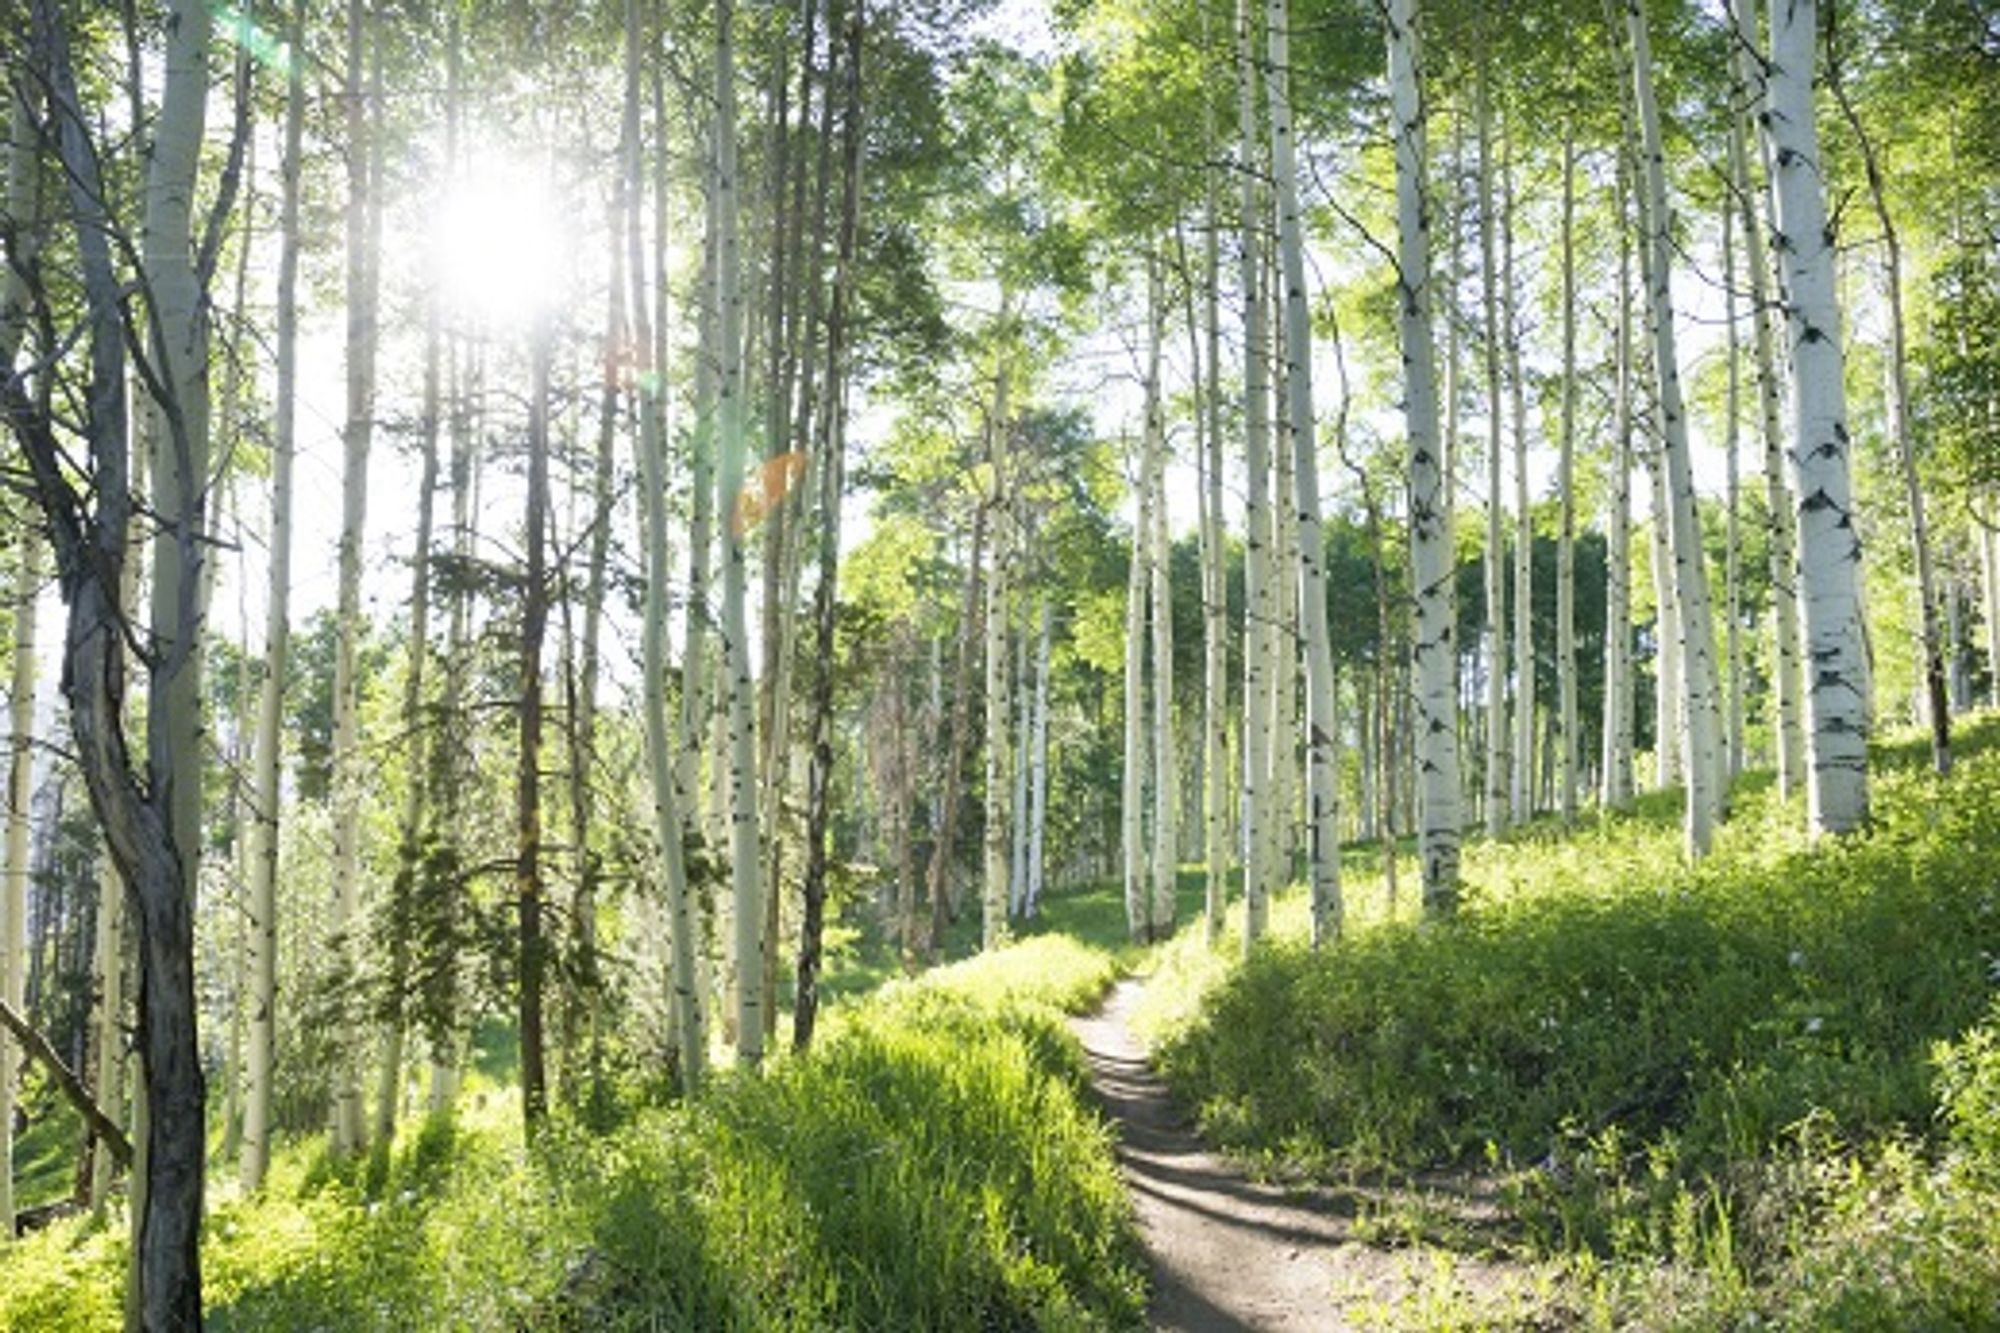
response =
{"points": [[1132, 789], [688, 1034], [1619, 678], [23, 205], [745, 868], [1038, 785], [1521, 794], [1495, 566], [1281, 589], [1215, 585], [669, 827], [174, 1101], [1432, 561], [1937, 698], [1837, 698], [1746, 73], [1024, 745], [698, 697], [1565, 488], [1166, 761], [1703, 760], [999, 709], [1669, 698], [262, 961], [1258, 817], [1989, 557], [14, 888], [1732, 731], [1322, 759], [357, 433]]}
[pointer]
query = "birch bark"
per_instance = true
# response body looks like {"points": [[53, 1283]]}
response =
{"points": [[1837, 692], [1566, 489], [1746, 74], [1431, 557], [1166, 761], [1619, 698], [1703, 759], [357, 434], [1496, 587], [262, 944], [745, 867], [1257, 816], [1322, 759]]}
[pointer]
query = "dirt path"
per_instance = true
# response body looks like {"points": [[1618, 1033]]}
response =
{"points": [[1230, 1253]]}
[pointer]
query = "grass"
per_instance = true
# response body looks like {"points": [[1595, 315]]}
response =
{"points": [[1762, 1089], [45, 1153], [931, 1164]]}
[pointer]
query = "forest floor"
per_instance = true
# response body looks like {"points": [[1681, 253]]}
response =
{"points": [[1229, 1251]]}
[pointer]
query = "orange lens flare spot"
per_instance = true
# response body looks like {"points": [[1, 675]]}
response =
{"points": [[765, 490]]}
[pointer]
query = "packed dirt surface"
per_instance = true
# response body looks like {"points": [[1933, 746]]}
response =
{"points": [[1231, 1253]]}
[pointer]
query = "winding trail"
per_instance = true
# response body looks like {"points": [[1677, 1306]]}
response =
{"points": [[1229, 1253]]}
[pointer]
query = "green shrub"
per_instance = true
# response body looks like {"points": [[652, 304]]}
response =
{"points": [[929, 1165], [1756, 1091]]}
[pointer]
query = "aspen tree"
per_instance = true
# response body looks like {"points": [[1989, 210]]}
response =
{"points": [[151, 821], [958, 749], [263, 902], [1281, 593], [1038, 759], [1902, 430], [1669, 661], [1496, 587], [1258, 816], [1215, 584], [690, 1039], [1705, 798], [23, 211], [1566, 491], [1619, 678], [1434, 647], [744, 844], [1837, 696], [1989, 565], [1732, 730], [1166, 760], [999, 591], [20, 789], [1747, 80], [1520, 797], [1132, 791], [1322, 761], [778, 605], [699, 693], [1022, 724], [528, 888], [357, 434], [175, 1105], [580, 1008], [832, 465]]}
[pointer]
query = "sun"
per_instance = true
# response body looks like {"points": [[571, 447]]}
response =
{"points": [[499, 253]]}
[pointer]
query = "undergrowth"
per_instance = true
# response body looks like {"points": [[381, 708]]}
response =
{"points": [[1764, 1090], [929, 1165]]}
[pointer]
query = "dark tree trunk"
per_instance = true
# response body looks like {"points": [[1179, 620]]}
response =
{"points": [[825, 598], [528, 812]]}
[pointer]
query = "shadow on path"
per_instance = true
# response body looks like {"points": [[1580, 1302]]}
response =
{"points": [[1228, 1253]]}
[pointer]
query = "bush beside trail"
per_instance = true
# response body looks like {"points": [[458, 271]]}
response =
{"points": [[929, 1165], [1763, 1085]]}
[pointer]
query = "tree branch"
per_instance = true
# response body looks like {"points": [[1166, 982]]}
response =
{"points": [[101, 1125]]}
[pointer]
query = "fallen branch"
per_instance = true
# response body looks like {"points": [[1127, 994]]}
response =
{"points": [[103, 1126]]}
